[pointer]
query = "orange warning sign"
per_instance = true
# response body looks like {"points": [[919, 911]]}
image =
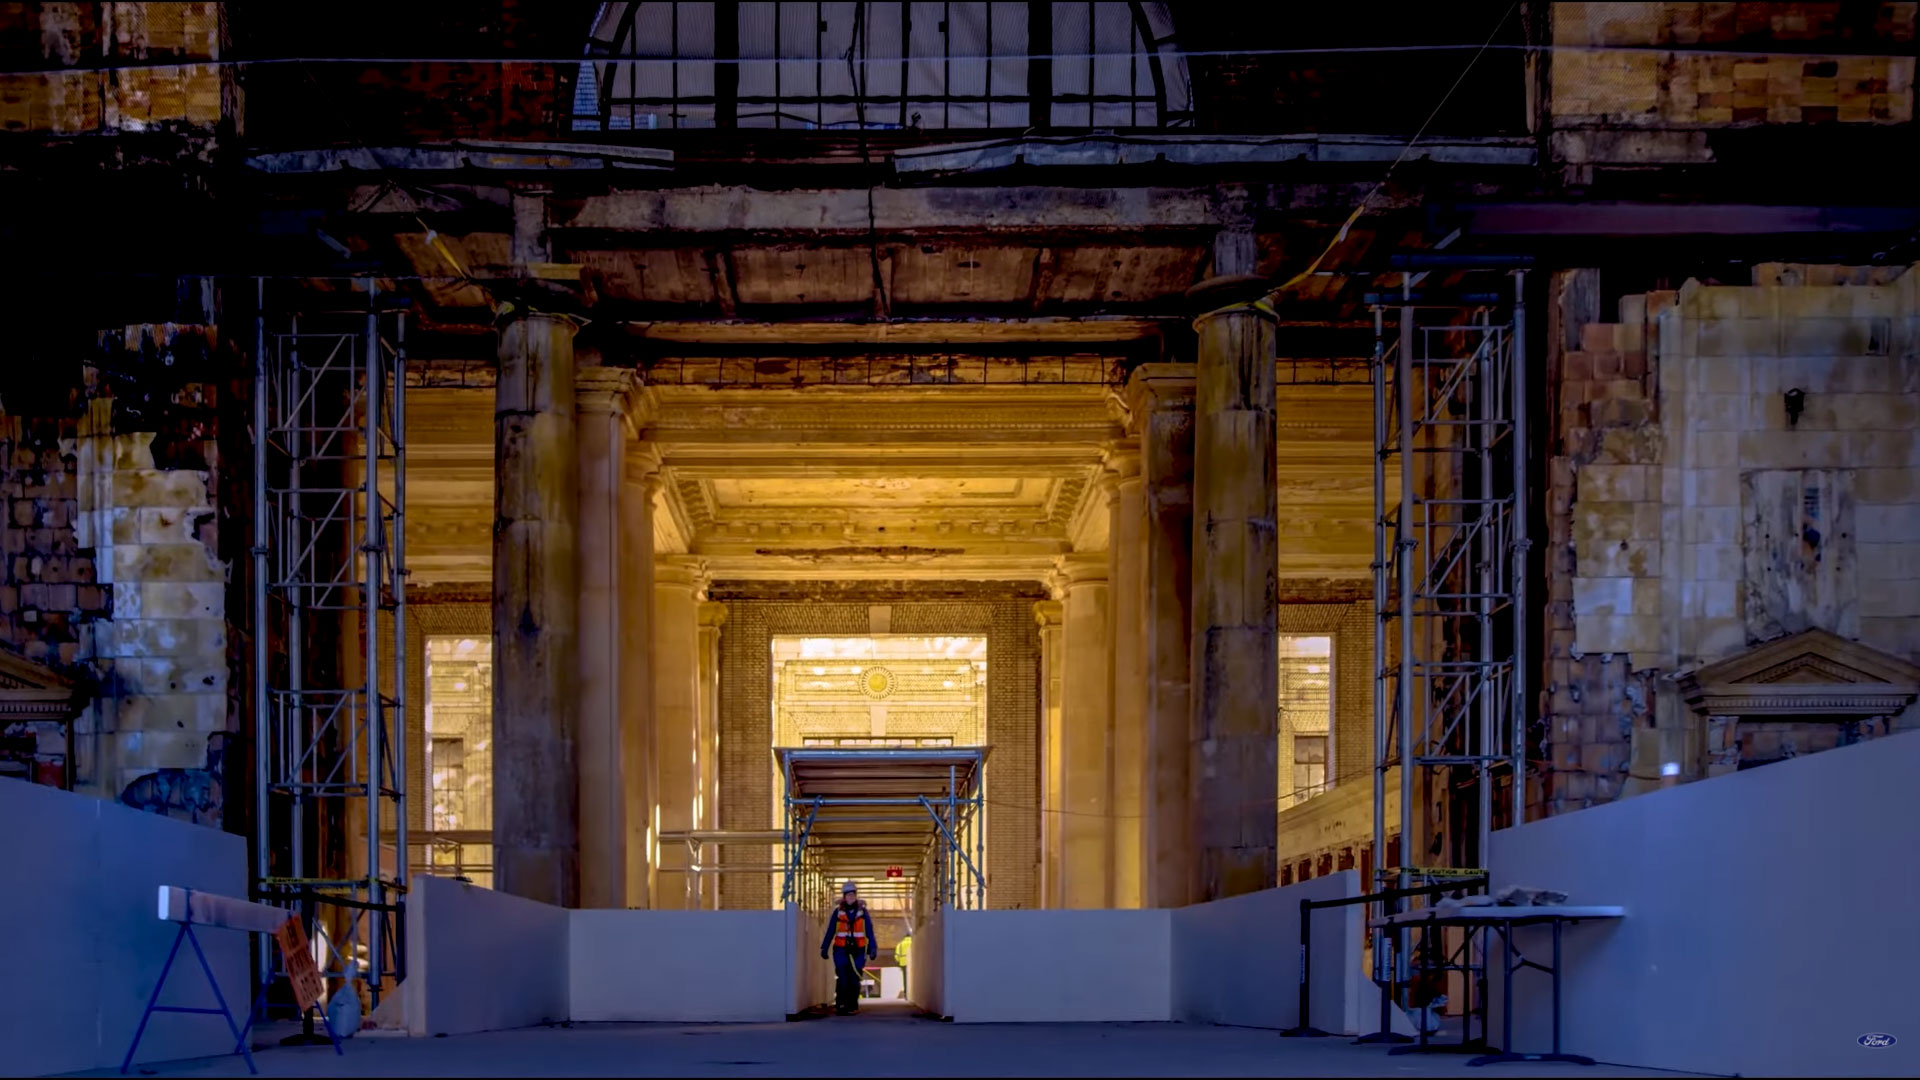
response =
{"points": [[302, 972]]}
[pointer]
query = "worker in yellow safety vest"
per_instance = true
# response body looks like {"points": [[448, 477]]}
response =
{"points": [[851, 941], [901, 950]]}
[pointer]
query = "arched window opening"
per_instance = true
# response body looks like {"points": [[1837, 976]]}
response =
{"points": [[882, 66]]}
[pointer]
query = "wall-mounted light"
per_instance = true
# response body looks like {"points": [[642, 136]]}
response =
{"points": [[1796, 402]]}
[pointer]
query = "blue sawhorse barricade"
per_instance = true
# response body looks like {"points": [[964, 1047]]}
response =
{"points": [[190, 909]]}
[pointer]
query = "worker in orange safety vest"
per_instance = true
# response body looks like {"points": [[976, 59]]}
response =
{"points": [[851, 941]]}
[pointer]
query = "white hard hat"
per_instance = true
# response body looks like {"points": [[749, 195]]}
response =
{"points": [[848, 887]]}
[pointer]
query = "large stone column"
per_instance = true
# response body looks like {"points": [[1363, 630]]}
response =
{"points": [[1127, 575], [1048, 614], [1161, 400], [610, 510], [640, 489], [712, 617], [1086, 718], [536, 839], [1235, 605], [678, 584]]}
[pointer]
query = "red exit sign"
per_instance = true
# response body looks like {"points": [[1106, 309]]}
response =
{"points": [[894, 871]]}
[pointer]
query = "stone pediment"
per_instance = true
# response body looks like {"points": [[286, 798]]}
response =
{"points": [[29, 691], [1806, 675]]}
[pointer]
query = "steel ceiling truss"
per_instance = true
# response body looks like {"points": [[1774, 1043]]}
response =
{"points": [[330, 631]]}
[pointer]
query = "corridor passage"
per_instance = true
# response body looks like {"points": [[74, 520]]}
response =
{"points": [[881, 1041]]}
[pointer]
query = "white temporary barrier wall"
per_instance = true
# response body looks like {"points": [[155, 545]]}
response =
{"points": [[812, 977], [1057, 966], [479, 960], [1768, 922], [926, 969], [682, 965], [1236, 961], [86, 946]]}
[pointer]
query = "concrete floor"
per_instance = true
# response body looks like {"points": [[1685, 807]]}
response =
{"points": [[884, 1040]]}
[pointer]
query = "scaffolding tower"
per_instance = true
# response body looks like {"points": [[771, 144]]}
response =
{"points": [[329, 614], [1450, 564]]}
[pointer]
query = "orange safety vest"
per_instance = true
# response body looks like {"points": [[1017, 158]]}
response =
{"points": [[849, 928]]}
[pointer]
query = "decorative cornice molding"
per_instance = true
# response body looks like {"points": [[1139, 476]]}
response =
{"points": [[32, 692], [1807, 703]]}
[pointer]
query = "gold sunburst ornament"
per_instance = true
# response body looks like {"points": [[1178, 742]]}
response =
{"points": [[877, 682]]}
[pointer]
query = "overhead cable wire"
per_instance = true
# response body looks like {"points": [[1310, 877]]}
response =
{"points": [[1340, 236], [1329, 50]]}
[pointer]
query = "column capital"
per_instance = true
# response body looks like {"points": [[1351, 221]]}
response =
{"points": [[1120, 463], [643, 467], [1048, 613], [597, 388], [1159, 386], [616, 391], [1082, 568], [713, 615], [680, 571]]}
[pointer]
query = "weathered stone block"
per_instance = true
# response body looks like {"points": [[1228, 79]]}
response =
{"points": [[1602, 596], [1712, 487], [1647, 596], [1715, 562], [149, 487], [1894, 598], [1887, 448], [1719, 374], [1835, 337], [1647, 521], [1737, 337], [1638, 445], [165, 562], [1713, 449], [1715, 638], [1886, 561], [1881, 523], [1717, 412], [1613, 483], [1625, 558], [165, 525], [169, 637], [146, 751], [1712, 525], [1620, 412], [1600, 520], [180, 600]]}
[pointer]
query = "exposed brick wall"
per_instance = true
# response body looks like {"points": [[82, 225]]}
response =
{"points": [[1604, 556], [748, 775]]}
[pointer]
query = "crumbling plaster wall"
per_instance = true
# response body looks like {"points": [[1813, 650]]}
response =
{"points": [[114, 574], [1672, 447]]}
